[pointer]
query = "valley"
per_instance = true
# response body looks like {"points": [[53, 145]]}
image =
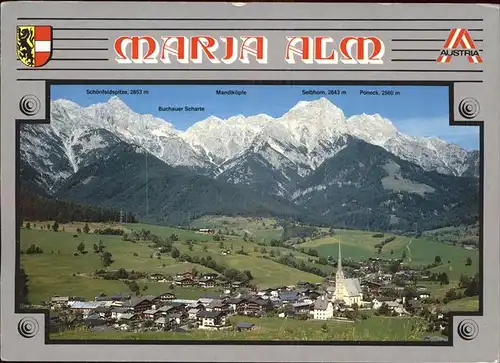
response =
{"points": [[62, 269], [57, 271]]}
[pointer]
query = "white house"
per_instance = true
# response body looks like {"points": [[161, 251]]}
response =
{"points": [[193, 314], [117, 312], [212, 319], [377, 303], [323, 308]]}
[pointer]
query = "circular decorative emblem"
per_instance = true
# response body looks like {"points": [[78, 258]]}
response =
{"points": [[27, 327], [468, 108], [29, 105], [468, 329]]}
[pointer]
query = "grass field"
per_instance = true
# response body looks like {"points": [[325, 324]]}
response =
{"points": [[261, 229], [57, 271], [465, 304], [376, 328], [437, 290], [358, 245]]}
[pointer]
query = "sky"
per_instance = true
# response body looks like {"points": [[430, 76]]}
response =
{"points": [[415, 110]]}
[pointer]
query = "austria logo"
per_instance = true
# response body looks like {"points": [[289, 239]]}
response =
{"points": [[459, 38], [34, 44]]}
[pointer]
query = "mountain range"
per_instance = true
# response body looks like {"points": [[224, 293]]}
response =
{"points": [[311, 164]]}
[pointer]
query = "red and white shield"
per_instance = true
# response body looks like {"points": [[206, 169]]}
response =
{"points": [[34, 44], [43, 45]]}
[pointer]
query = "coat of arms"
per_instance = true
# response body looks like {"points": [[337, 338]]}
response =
{"points": [[34, 44]]}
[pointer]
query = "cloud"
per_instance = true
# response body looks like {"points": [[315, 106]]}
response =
{"points": [[464, 136]]}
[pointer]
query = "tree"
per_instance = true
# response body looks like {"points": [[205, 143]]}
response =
{"points": [[394, 267], [96, 248], [175, 253], [443, 278], [86, 228], [450, 295], [22, 286], [312, 252], [55, 226], [437, 259], [134, 287], [78, 230], [249, 274], [464, 281], [81, 247], [231, 274], [121, 274], [469, 261], [101, 246], [403, 255], [205, 248], [384, 309], [107, 259], [473, 287], [245, 237], [28, 225]]}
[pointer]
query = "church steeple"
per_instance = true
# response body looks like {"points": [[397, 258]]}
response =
{"points": [[340, 273], [339, 267]]}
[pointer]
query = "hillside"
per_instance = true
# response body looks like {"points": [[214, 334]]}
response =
{"points": [[158, 193], [58, 271], [417, 252], [364, 186]]}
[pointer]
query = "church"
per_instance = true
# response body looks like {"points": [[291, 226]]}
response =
{"points": [[346, 290]]}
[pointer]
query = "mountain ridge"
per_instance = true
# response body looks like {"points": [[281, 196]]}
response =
{"points": [[214, 141], [251, 165]]}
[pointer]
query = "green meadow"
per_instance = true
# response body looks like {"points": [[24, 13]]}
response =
{"points": [[375, 328], [260, 229], [58, 271], [358, 245]]}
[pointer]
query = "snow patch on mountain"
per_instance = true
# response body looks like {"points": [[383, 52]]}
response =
{"points": [[159, 137], [312, 131], [221, 140]]}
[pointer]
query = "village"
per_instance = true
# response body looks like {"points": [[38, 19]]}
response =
{"points": [[371, 290]]}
